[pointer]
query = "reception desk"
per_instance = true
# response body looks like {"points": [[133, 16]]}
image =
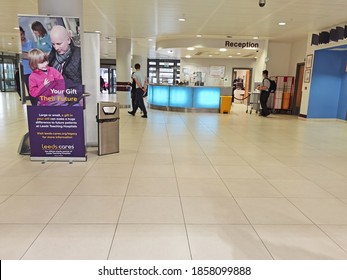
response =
{"points": [[184, 98]]}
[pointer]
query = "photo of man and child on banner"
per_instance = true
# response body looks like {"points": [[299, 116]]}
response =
{"points": [[52, 74]]}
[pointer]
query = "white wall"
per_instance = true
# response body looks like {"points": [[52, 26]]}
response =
{"points": [[298, 54], [194, 63], [279, 55]]}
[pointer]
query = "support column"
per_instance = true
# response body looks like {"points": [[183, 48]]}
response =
{"points": [[90, 49], [123, 68]]}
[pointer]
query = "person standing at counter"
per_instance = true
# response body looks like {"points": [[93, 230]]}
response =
{"points": [[264, 94], [141, 89]]}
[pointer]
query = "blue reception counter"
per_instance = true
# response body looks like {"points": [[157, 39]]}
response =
{"points": [[184, 98]]}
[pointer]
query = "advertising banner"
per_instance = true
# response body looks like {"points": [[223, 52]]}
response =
{"points": [[56, 132], [51, 58], [52, 71]]}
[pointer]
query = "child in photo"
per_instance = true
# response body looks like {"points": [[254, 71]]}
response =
{"points": [[45, 82]]}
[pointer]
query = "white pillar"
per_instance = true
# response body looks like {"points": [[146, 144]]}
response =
{"points": [[90, 49], [91, 76], [123, 68]]}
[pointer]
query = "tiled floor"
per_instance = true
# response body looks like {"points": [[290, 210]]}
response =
{"points": [[184, 186]]}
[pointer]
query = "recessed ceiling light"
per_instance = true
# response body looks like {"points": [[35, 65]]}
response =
{"points": [[10, 44], [198, 36], [16, 28], [150, 39], [230, 56], [182, 19], [281, 23], [110, 42], [255, 37], [238, 53], [191, 49], [223, 49], [188, 56], [210, 55], [97, 31]]}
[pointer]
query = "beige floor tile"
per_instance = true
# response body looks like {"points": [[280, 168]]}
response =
{"points": [[152, 187], [316, 172], [322, 211], [299, 242], [111, 170], [212, 210], [23, 169], [16, 239], [10, 185], [153, 171], [271, 211], [195, 171], [154, 149], [202, 187], [72, 242], [227, 160], [153, 158], [115, 186], [228, 242], [50, 186], [338, 188], [64, 169], [337, 234], [3, 198], [277, 172], [189, 159], [251, 188], [147, 210], [237, 172], [123, 157], [89, 209], [150, 242], [299, 188], [29, 209]]}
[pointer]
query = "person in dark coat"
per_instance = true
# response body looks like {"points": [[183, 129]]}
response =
{"points": [[66, 58]]}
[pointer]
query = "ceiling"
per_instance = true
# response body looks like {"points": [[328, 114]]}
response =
{"points": [[148, 21]]}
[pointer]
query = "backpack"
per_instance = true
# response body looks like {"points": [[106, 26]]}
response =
{"points": [[273, 86]]}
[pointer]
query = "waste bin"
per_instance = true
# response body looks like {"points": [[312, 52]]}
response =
{"points": [[225, 104], [108, 127]]}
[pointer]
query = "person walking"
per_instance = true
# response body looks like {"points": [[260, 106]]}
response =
{"points": [[141, 89], [264, 94], [133, 91]]}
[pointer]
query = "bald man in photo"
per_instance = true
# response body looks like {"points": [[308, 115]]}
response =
{"points": [[65, 56]]}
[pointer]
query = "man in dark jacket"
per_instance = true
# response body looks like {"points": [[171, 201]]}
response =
{"points": [[66, 58]]}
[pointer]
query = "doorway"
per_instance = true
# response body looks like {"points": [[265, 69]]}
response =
{"points": [[241, 84], [108, 73], [7, 73], [299, 78]]}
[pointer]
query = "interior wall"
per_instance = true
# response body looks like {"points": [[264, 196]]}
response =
{"points": [[194, 63], [326, 84], [342, 108], [279, 55], [297, 55]]}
